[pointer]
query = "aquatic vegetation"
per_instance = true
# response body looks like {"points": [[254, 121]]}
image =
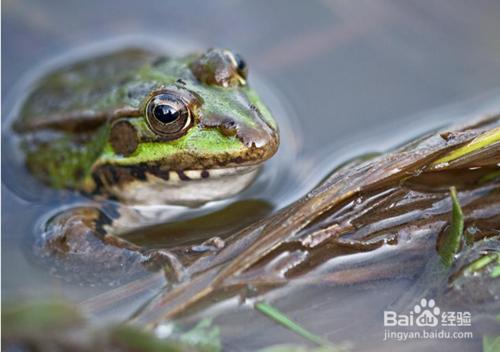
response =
{"points": [[56, 323], [282, 319], [453, 237]]}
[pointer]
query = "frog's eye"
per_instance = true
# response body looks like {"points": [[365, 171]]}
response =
{"points": [[241, 66], [168, 116], [220, 67]]}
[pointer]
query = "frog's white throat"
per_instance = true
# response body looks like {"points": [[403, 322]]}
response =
{"points": [[189, 187]]}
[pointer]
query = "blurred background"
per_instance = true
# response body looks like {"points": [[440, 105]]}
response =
{"points": [[343, 73], [340, 64]]}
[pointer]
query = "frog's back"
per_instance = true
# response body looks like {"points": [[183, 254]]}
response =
{"points": [[82, 94]]}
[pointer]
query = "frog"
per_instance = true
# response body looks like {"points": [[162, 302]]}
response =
{"points": [[140, 127]]}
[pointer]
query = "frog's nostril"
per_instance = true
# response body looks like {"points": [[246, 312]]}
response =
{"points": [[228, 128]]}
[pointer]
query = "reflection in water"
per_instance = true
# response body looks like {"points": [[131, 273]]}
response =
{"points": [[221, 223]]}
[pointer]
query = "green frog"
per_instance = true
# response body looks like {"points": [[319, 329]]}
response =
{"points": [[142, 128]]}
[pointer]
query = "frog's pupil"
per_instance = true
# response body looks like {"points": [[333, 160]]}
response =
{"points": [[241, 64], [166, 113]]}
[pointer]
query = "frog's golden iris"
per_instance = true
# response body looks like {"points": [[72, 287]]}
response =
{"points": [[168, 115]]}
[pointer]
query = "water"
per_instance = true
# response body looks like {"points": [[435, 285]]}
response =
{"points": [[343, 78]]}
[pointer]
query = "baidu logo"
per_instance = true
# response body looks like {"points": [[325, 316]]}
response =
{"points": [[427, 313], [426, 320]]}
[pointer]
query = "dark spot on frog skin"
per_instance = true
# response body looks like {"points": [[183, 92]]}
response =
{"points": [[98, 183], [183, 176], [112, 175], [138, 173], [160, 60], [158, 172], [109, 175], [181, 81], [123, 138]]}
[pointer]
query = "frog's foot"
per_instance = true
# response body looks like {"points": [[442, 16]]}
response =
{"points": [[176, 264], [79, 246], [159, 259]]}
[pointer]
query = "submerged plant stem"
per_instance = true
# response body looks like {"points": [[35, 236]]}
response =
{"points": [[282, 319], [454, 235]]}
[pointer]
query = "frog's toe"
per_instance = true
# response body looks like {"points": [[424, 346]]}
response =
{"points": [[76, 245], [70, 232], [173, 268]]}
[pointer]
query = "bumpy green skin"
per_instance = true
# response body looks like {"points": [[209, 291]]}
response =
{"points": [[64, 164], [68, 117]]}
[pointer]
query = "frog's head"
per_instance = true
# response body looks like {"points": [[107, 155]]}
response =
{"points": [[193, 131]]}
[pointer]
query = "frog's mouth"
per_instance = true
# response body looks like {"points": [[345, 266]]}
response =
{"points": [[140, 185]]}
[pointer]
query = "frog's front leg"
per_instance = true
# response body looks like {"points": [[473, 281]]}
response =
{"points": [[80, 243]]}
